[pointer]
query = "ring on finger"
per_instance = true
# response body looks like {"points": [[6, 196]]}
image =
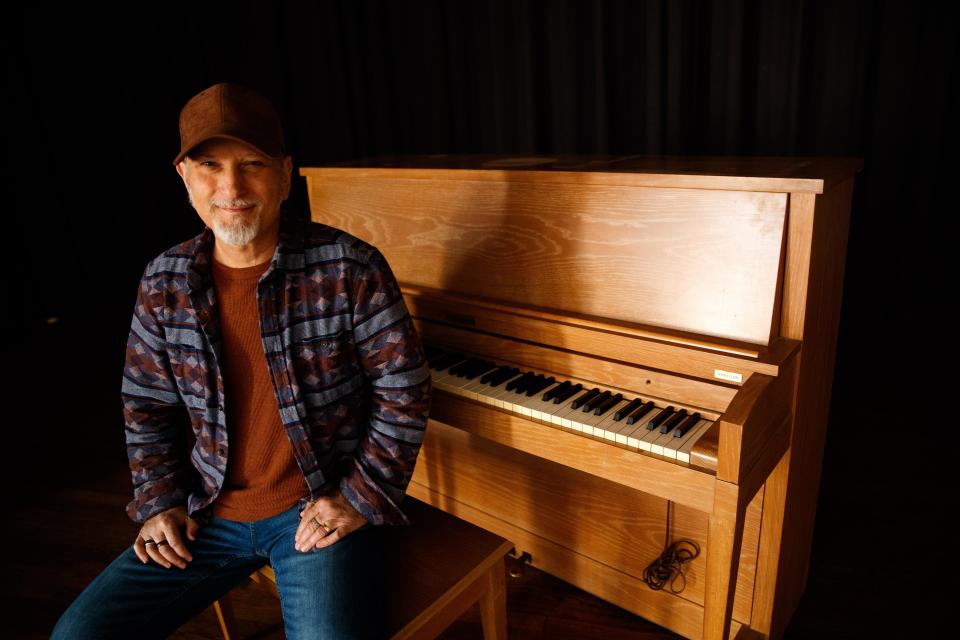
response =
{"points": [[317, 524]]}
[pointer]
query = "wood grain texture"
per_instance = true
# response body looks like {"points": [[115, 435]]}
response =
{"points": [[725, 535], [615, 526], [753, 417], [815, 318], [585, 530], [699, 261]]}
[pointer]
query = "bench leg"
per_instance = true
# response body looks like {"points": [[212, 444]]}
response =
{"points": [[224, 610], [493, 603]]}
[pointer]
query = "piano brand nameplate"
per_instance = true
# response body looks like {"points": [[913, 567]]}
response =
{"points": [[730, 376]]}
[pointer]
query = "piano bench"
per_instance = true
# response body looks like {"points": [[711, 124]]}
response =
{"points": [[441, 565]]}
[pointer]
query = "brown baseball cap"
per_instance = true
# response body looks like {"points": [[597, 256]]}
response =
{"points": [[233, 111]]}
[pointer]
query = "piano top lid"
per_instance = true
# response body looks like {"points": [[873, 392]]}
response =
{"points": [[741, 173]]}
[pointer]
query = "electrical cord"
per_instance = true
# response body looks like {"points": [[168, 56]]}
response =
{"points": [[669, 567]]}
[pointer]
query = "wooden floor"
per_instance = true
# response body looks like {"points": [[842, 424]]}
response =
{"points": [[881, 524]]}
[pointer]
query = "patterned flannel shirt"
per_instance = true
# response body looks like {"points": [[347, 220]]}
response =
{"points": [[348, 370]]}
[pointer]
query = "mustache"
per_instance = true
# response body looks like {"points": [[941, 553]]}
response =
{"points": [[233, 204]]}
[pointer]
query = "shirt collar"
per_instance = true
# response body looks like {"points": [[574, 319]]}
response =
{"points": [[287, 257]]}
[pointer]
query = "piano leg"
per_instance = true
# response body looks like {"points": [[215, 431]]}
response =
{"points": [[724, 536]]}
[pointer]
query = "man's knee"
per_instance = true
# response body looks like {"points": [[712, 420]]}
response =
{"points": [[75, 624]]}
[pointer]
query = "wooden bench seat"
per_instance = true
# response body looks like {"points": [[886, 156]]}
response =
{"points": [[441, 566]]}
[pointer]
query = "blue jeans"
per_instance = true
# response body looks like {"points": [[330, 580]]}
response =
{"points": [[334, 592]]}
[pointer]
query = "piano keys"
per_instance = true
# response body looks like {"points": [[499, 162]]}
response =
{"points": [[596, 413]]}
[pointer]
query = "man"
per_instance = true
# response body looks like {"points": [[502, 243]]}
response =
{"points": [[287, 349]]}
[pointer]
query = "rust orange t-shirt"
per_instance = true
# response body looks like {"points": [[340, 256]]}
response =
{"points": [[263, 478]]}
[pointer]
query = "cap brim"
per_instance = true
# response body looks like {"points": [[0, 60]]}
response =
{"points": [[185, 152]]}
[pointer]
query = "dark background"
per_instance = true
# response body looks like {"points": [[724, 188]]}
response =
{"points": [[93, 95]]}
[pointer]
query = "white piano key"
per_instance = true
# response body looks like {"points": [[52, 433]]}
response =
{"points": [[562, 415], [568, 416], [671, 447], [658, 445], [490, 393], [498, 398], [474, 388], [624, 431], [641, 436], [683, 453], [589, 422], [541, 409], [526, 405], [606, 428]]}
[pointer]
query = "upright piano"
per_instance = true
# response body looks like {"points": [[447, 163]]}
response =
{"points": [[626, 352]]}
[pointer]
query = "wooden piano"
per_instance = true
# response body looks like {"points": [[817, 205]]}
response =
{"points": [[701, 287]]}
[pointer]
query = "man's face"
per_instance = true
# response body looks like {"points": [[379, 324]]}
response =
{"points": [[235, 189]]}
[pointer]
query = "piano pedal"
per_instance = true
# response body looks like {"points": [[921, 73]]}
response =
{"points": [[515, 569]]}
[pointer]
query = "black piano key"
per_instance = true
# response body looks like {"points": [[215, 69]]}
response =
{"points": [[485, 378], [624, 412], [596, 401], [477, 366], [459, 369], [609, 404], [560, 388], [540, 385], [565, 395], [657, 420], [443, 362], [586, 397], [524, 383], [513, 384], [507, 374], [647, 407], [686, 425], [673, 421], [481, 367]]}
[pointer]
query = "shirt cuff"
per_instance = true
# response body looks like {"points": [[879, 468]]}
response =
{"points": [[154, 497], [369, 499]]}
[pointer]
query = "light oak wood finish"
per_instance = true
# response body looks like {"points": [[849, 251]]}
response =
{"points": [[707, 282], [723, 245], [439, 567]]}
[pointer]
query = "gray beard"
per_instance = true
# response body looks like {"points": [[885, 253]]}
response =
{"points": [[241, 231]]}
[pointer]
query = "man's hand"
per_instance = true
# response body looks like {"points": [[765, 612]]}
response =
{"points": [[167, 546], [333, 510]]}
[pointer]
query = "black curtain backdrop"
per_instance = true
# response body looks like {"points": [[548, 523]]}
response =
{"points": [[93, 95]]}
